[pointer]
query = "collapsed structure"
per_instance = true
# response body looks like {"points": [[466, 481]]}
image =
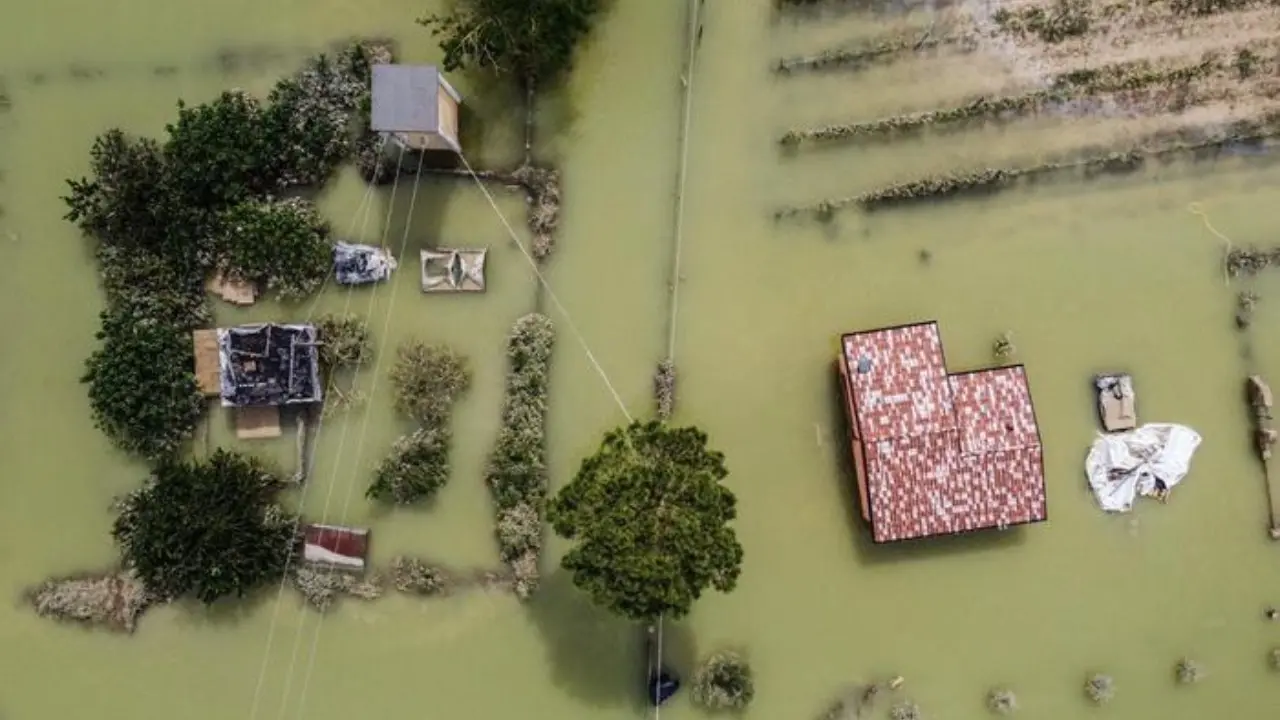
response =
{"points": [[255, 369], [938, 453]]}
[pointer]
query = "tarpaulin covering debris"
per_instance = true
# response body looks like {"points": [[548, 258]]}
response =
{"points": [[361, 264], [1147, 461]]}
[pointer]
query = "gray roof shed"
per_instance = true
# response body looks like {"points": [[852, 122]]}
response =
{"points": [[404, 98]]}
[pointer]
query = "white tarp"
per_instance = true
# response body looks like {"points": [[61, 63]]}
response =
{"points": [[1148, 461]]}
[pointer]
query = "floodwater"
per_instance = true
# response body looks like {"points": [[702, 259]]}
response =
{"points": [[1113, 274]]}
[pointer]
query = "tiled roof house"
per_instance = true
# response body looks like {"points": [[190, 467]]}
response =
{"points": [[938, 453]]}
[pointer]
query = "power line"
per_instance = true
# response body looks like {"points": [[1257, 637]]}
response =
{"points": [[275, 615], [364, 428], [550, 293], [342, 440]]}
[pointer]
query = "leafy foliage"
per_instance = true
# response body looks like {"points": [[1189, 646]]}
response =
{"points": [[416, 469], [206, 529], [344, 341], [282, 245], [428, 379], [221, 152], [517, 473], [142, 386], [724, 682], [651, 522], [165, 214], [531, 40]]}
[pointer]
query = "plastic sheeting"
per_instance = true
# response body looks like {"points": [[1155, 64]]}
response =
{"points": [[361, 264], [1147, 461]]}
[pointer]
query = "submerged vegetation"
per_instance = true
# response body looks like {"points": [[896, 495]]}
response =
{"points": [[114, 599], [1188, 672], [517, 472], [206, 529], [428, 381], [649, 518], [1129, 77], [165, 215], [321, 587], [1100, 688], [724, 682], [1002, 701]]}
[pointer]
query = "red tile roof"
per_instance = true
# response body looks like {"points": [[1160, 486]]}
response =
{"points": [[943, 453]]}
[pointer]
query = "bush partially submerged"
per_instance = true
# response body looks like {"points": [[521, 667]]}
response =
{"points": [[416, 577], [206, 529], [724, 682], [904, 710], [1188, 672], [344, 342], [142, 385], [322, 586], [111, 599], [428, 379], [1100, 688], [280, 245], [517, 473], [1002, 701], [416, 469]]}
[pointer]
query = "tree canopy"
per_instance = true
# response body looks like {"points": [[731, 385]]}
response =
{"points": [[650, 521], [529, 40], [206, 529]]}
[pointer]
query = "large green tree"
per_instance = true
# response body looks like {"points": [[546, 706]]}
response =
{"points": [[529, 40], [649, 518], [206, 529]]}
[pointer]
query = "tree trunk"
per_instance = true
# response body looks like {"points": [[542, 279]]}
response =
{"points": [[529, 88]]}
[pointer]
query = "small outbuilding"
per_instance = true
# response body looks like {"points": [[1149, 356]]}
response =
{"points": [[446, 270], [417, 106], [335, 546]]}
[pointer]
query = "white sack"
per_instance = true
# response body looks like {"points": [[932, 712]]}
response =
{"points": [[1123, 465]]}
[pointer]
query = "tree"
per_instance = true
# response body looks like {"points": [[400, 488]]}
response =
{"points": [[529, 40], [428, 379], [416, 469], [651, 522], [282, 245], [207, 529], [142, 385]]}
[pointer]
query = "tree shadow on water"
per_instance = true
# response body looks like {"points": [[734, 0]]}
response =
{"points": [[595, 656]]}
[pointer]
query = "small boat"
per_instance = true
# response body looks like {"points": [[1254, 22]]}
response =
{"points": [[335, 546], [1116, 402]]}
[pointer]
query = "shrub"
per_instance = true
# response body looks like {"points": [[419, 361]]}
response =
{"points": [[905, 710], [724, 682], [1273, 658], [411, 575], [1188, 672], [142, 386], [416, 469], [320, 587], [1100, 688], [344, 341], [207, 529], [281, 245], [517, 473], [428, 379], [1002, 701]]}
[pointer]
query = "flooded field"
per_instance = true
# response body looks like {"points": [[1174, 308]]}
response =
{"points": [[1110, 273]]}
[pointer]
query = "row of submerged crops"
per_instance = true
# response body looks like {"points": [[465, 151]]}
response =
{"points": [[1197, 73]]}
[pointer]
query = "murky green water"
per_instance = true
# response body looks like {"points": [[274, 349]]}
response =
{"points": [[1114, 274]]}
